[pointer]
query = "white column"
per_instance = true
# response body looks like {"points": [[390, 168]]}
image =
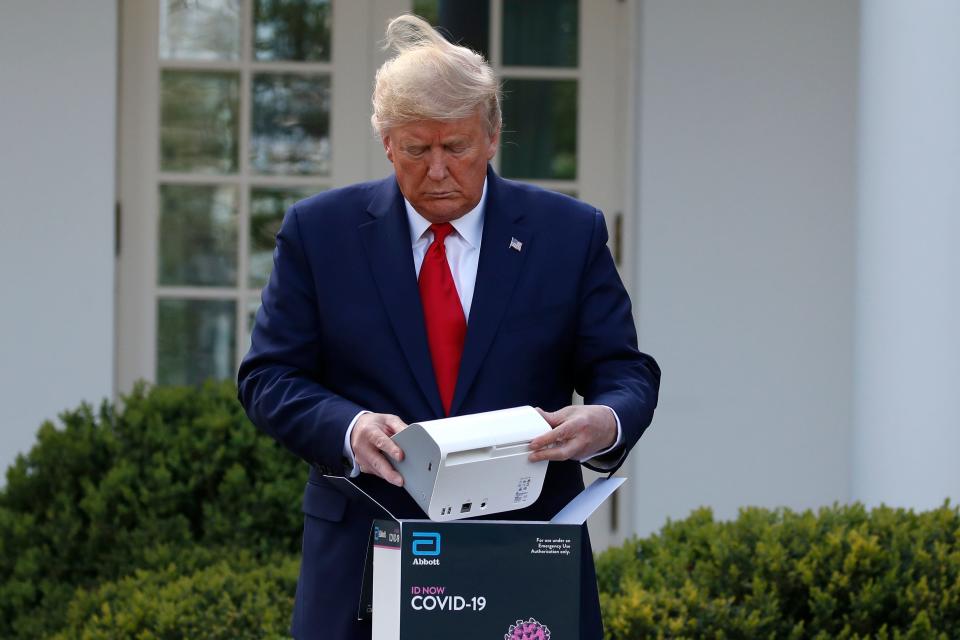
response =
{"points": [[58, 91], [907, 363]]}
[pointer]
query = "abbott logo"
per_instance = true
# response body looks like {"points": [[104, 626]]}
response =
{"points": [[426, 543]]}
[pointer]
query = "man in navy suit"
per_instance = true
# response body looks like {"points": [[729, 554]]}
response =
{"points": [[442, 290]]}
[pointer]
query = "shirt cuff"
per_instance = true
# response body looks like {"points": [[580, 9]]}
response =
{"points": [[351, 461], [598, 454]]}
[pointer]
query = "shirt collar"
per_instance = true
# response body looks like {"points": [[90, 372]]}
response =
{"points": [[469, 226]]}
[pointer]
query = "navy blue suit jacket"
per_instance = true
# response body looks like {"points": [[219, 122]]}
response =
{"points": [[341, 329]]}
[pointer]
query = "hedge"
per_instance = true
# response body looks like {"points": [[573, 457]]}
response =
{"points": [[172, 475], [172, 517], [230, 600], [843, 572]]}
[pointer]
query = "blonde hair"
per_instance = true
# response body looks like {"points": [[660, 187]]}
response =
{"points": [[431, 79]]}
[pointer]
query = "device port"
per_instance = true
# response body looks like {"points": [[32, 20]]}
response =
{"points": [[483, 505], [465, 507], [429, 466]]}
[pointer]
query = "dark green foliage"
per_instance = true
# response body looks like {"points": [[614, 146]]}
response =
{"points": [[237, 599], [174, 518], [175, 474], [841, 573]]}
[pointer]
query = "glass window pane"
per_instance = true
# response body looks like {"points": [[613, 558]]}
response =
{"points": [[195, 340], [267, 207], [540, 129], [198, 121], [292, 30], [253, 305], [291, 124], [464, 22], [200, 29], [198, 235], [540, 33], [429, 10]]}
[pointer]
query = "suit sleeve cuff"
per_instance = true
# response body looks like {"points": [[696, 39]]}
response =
{"points": [[349, 458], [596, 460]]}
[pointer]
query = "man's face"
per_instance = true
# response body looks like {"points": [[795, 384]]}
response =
{"points": [[440, 165]]}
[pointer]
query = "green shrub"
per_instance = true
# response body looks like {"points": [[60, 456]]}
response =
{"points": [[175, 472], [231, 600], [841, 573], [173, 517]]}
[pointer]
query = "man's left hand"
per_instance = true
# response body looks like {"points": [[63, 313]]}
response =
{"points": [[579, 431]]}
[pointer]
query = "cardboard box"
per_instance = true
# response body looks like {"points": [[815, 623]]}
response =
{"points": [[479, 578]]}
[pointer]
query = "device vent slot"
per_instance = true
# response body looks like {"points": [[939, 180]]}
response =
{"points": [[469, 455], [511, 445], [486, 453], [506, 450]]}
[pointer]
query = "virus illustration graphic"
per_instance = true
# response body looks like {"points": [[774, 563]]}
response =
{"points": [[527, 630]]}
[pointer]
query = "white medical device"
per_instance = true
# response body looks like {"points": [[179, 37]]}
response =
{"points": [[472, 465]]}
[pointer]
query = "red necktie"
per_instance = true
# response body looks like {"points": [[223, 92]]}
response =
{"points": [[443, 313]]}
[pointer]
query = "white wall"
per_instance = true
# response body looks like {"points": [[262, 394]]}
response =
{"points": [[907, 409], [747, 119], [58, 63]]}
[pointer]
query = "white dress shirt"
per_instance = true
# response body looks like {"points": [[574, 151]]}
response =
{"points": [[462, 247], [463, 256]]}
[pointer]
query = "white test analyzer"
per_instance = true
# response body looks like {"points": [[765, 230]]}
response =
{"points": [[472, 465]]}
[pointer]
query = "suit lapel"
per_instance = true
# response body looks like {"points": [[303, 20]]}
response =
{"points": [[499, 267], [386, 240]]}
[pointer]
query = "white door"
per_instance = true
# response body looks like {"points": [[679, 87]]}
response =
{"points": [[233, 109]]}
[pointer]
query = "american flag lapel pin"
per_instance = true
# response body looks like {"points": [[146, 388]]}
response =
{"points": [[515, 244]]}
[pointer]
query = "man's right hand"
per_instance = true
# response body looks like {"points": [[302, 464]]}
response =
{"points": [[371, 443]]}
